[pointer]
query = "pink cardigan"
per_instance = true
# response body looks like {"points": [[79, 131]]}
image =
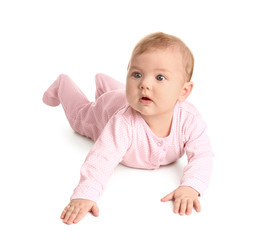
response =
{"points": [[124, 137]]}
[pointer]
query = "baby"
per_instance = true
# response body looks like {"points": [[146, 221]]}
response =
{"points": [[145, 125]]}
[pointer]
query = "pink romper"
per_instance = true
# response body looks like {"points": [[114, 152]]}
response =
{"points": [[121, 135]]}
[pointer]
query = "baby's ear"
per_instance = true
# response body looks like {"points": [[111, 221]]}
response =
{"points": [[185, 92]]}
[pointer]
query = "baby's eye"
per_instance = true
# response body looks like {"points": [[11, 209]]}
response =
{"points": [[137, 75], [160, 77]]}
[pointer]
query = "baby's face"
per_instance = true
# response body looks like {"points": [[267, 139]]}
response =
{"points": [[155, 82]]}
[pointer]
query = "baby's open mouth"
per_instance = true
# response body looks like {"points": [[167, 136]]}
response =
{"points": [[146, 98]]}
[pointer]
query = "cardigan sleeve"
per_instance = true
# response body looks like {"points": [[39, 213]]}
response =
{"points": [[105, 155], [197, 172]]}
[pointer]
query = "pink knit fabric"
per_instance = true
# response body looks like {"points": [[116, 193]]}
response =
{"points": [[122, 136]]}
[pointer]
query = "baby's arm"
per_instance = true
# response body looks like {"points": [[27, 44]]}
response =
{"points": [[197, 173], [185, 199], [105, 155], [77, 209]]}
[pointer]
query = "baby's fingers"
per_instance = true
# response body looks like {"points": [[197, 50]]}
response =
{"points": [[183, 207], [70, 215], [168, 197], [79, 216], [62, 216], [197, 205], [177, 204], [189, 207], [95, 210]]}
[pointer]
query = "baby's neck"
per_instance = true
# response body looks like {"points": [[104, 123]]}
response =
{"points": [[160, 125]]}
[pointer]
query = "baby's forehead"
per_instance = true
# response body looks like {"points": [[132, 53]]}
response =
{"points": [[170, 53]]}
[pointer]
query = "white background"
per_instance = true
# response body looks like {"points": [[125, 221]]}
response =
{"points": [[41, 156]]}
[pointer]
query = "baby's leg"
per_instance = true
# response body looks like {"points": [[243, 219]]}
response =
{"points": [[105, 84], [75, 104]]}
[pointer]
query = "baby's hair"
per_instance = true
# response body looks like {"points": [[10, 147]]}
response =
{"points": [[161, 40]]}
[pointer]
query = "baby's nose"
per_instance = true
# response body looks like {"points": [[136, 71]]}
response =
{"points": [[146, 84]]}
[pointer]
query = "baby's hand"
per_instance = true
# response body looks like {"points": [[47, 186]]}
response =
{"points": [[185, 198], [77, 209]]}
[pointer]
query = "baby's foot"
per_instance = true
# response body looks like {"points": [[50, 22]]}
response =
{"points": [[51, 95]]}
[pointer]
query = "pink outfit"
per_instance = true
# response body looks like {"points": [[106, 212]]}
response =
{"points": [[122, 136]]}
